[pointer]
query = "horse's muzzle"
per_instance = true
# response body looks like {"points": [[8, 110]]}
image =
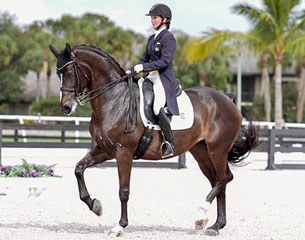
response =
{"points": [[68, 108]]}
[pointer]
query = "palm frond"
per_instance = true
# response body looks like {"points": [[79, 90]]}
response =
{"points": [[282, 13], [295, 45], [254, 15], [215, 41], [296, 26]]}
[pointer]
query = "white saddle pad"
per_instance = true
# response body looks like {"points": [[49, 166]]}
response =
{"points": [[183, 121]]}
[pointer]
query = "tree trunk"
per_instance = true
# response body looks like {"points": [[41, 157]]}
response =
{"points": [[278, 101], [47, 72], [265, 91], [37, 86], [301, 95], [45, 88], [48, 82], [202, 76]]}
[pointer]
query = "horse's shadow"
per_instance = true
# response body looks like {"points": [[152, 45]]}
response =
{"points": [[100, 229]]}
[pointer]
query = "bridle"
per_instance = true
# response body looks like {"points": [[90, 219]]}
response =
{"points": [[81, 94], [78, 90]]}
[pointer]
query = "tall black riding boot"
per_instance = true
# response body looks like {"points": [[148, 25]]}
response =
{"points": [[167, 149]]}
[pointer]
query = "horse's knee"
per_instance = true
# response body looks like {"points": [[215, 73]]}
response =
{"points": [[85, 162], [79, 170], [124, 194]]}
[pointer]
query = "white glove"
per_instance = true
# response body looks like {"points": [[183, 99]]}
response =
{"points": [[138, 68]]}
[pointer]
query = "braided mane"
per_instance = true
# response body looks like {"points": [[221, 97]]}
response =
{"points": [[100, 52]]}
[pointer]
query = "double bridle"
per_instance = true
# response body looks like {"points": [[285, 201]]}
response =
{"points": [[81, 94]]}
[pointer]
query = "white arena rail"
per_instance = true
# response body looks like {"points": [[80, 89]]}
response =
{"points": [[271, 125], [39, 119], [78, 120]]}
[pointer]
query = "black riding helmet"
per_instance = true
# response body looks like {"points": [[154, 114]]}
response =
{"points": [[160, 9]]}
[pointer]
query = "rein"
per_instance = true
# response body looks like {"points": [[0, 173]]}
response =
{"points": [[131, 117], [86, 96]]}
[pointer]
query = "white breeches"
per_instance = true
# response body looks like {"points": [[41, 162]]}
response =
{"points": [[160, 98]]}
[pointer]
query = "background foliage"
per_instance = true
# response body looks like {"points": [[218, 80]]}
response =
{"points": [[50, 107]]}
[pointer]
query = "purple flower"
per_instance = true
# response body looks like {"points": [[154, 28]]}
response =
{"points": [[26, 174], [36, 174], [3, 169], [50, 171]]}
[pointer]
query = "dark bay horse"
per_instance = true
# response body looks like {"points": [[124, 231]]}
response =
{"points": [[215, 138]]}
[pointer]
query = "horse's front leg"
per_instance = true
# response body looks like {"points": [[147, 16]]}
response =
{"points": [[124, 162], [92, 158]]}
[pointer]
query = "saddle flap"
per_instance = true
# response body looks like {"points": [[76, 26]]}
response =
{"points": [[148, 97], [183, 121]]}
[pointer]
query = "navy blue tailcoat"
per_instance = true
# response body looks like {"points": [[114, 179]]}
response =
{"points": [[158, 55]]}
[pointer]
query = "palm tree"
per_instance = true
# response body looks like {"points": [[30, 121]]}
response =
{"points": [[217, 41], [36, 58], [276, 30]]}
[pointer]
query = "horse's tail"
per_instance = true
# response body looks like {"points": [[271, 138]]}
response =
{"points": [[246, 140]]}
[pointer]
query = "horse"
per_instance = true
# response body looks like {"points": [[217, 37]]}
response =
{"points": [[215, 139]]}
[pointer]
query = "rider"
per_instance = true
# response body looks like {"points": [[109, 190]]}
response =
{"points": [[157, 59]]}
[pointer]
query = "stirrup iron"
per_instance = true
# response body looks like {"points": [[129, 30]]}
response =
{"points": [[166, 149]]}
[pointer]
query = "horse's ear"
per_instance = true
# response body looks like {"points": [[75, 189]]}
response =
{"points": [[67, 51], [54, 51]]}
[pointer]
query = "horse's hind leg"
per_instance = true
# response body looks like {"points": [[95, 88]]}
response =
{"points": [[218, 155], [218, 183], [221, 212], [92, 158]]}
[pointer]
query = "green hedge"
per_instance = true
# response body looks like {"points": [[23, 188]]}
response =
{"points": [[50, 107]]}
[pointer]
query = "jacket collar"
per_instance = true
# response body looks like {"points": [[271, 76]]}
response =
{"points": [[160, 34], [160, 30]]}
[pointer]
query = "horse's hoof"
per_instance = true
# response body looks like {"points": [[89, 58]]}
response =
{"points": [[200, 224], [116, 232], [211, 232], [97, 207]]}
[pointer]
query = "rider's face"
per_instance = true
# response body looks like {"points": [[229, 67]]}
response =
{"points": [[156, 21]]}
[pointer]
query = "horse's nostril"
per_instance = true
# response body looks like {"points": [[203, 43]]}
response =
{"points": [[66, 109]]}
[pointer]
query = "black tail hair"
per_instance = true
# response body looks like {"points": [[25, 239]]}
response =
{"points": [[247, 140]]}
